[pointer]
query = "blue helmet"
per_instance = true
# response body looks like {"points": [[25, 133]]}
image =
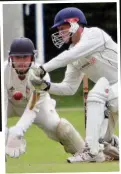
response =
{"points": [[69, 13]]}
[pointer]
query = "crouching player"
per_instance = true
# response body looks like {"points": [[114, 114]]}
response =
{"points": [[32, 106]]}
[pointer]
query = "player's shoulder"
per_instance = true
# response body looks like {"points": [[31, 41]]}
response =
{"points": [[96, 32], [92, 31]]}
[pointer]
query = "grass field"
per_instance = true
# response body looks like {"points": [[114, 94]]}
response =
{"points": [[44, 155]]}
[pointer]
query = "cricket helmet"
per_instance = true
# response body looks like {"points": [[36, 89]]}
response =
{"points": [[22, 46], [71, 15], [65, 14]]}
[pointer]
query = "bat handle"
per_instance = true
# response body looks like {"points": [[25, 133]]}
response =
{"points": [[35, 98]]}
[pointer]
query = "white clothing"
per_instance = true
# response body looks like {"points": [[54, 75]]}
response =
{"points": [[94, 55], [46, 117], [43, 114]]}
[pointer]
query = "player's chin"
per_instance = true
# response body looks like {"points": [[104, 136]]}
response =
{"points": [[65, 40], [22, 72]]}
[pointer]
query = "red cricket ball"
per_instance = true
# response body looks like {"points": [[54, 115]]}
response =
{"points": [[17, 95]]}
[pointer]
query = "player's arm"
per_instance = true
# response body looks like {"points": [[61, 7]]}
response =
{"points": [[13, 143], [29, 114], [70, 84], [91, 41], [16, 144], [82, 49]]}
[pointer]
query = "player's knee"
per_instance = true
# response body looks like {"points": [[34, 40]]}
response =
{"points": [[51, 132], [69, 137], [100, 91]]}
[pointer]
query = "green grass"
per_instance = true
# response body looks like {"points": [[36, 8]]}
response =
{"points": [[45, 155]]}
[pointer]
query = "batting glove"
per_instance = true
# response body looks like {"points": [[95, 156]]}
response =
{"points": [[39, 71], [45, 86], [16, 144], [37, 82]]}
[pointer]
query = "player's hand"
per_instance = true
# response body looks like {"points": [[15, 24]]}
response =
{"points": [[16, 144], [37, 82], [111, 151], [45, 86], [39, 71], [115, 141]]}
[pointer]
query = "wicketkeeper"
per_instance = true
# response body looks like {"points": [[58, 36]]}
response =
{"points": [[32, 106]]}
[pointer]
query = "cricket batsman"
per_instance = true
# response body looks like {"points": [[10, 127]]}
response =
{"points": [[92, 52], [31, 105]]}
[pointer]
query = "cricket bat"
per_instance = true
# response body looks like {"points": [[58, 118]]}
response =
{"points": [[85, 93], [35, 98]]}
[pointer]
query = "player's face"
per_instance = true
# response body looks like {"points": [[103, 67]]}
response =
{"points": [[64, 32], [21, 64]]}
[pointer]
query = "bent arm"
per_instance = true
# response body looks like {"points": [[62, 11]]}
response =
{"points": [[70, 84], [83, 48]]}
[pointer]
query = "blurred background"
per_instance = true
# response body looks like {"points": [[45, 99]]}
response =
{"points": [[35, 20]]}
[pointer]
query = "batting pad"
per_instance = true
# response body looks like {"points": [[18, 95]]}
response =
{"points": [[96, 101]]}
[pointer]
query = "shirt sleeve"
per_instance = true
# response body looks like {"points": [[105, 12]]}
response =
{"points": [[70, 84], [88, 43], [27, 117]]}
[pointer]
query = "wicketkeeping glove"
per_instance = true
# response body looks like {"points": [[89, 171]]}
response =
{"points": [[16, 144], [115, 141], [111, 148]]}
